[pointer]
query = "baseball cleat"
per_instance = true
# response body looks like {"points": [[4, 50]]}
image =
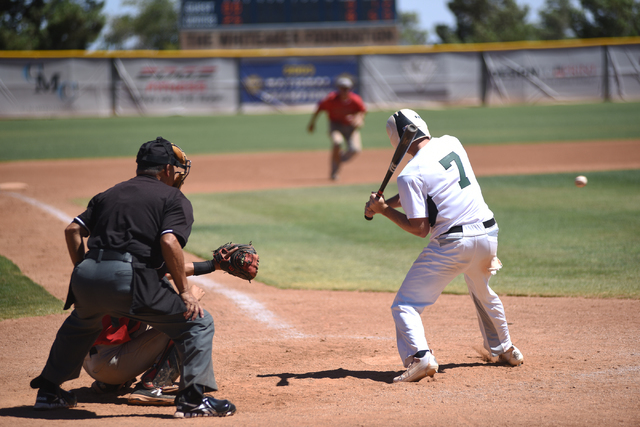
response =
{"points": [[153, 397], [47, 400], [426, 366], [513, 357], [209, 407]]}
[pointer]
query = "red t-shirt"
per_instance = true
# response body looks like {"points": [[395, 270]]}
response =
{"points": [[114, 334], [338, 109]]}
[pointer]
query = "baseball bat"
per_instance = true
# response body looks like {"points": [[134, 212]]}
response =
{"points": [[404, 144]]}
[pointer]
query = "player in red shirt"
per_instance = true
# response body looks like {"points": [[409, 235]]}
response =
{"points": [[346, 112]]}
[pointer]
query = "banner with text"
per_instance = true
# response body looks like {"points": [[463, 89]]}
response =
{"points": [[624, 72], [421, 79], [176, 86], [293, 81], [545, 75], [54, 87]]}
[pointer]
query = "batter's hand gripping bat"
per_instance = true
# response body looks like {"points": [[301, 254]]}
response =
{"points": [[404, 144]]}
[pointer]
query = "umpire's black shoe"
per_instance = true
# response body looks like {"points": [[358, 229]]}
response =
{"points": [[209, 407], [47, 400]]}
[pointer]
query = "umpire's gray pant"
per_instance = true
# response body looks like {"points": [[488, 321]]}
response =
{"points": [[104, 287]]}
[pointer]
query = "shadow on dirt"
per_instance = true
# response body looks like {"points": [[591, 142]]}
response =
{"points": [[27, 412], [380, 376], [85, 396]]}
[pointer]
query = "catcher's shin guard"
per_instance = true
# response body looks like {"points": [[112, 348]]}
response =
{"points": [[165, 371]]}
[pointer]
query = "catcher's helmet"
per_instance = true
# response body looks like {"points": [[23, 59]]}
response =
{"points": [[400, 120], [162, 152]]}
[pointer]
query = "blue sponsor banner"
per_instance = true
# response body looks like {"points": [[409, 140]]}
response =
{"points": [[293, 81]]}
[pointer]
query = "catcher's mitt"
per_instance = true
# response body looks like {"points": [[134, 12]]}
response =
{"points": [[239, 260]]}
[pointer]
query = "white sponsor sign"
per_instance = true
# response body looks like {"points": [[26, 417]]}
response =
{"points": [[54, 87]]}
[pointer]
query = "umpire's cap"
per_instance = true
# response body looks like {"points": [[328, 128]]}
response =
{"points": [[400, 120], [161, 152]]}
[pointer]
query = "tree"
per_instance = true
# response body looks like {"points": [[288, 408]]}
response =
{"points": [[410, 33], [49, 24], [154, 26], [481, 21], [556, 19], [607, 18]]}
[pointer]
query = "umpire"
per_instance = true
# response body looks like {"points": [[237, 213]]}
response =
{"points": [[136, 231]]}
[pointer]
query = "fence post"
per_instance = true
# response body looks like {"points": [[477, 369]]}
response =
{"points": [[605, 77], [112, 88], [484, 79]]}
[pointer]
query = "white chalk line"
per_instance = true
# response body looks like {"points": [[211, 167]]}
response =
{"points": [[249, 306], [48, 209]]}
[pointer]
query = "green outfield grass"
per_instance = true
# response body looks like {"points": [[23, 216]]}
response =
{"points": [[122, 136], [555, 239]]}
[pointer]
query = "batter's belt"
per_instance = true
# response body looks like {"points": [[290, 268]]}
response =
{"points": [[458, 228]]}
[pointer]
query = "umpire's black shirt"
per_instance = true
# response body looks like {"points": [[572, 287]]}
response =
{"points": [[131, 217]]}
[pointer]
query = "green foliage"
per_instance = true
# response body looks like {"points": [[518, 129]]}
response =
{"points": [[555, 239], [20, 297], [483, 21], [154, 26], [607, 18], [410, 33], [556, 19], [50, 24], [122, 136], [503, 20]]}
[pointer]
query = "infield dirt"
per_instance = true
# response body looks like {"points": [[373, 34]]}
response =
{"points": [[334, 362]]}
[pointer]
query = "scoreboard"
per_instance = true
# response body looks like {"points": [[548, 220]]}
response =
{"points": [[228, 14]]}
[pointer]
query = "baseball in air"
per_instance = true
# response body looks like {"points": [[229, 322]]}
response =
{"points": [[581, 181]]}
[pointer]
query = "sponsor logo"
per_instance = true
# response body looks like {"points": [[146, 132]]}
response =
{"points": [[176, 79], [176, 72], [575, 70], [35, 74]]}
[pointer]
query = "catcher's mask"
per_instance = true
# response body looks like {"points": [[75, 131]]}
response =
{"points": [[400, 120], [162, 152]]}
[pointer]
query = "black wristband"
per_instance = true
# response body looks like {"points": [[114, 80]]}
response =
{"points": [[203, 267]]}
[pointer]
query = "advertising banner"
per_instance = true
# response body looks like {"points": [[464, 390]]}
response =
{"points": [[176, 86], [54, 87], [421, 79], [624, 72], [280, 82], [547, 75]]}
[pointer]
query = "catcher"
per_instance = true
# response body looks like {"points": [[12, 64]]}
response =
{"points": [[126, 348]]}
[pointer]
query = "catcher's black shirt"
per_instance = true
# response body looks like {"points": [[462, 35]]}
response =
{"points": [[131, 217]]}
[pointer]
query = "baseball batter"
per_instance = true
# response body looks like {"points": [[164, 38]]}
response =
{"points": [[440, 197]]}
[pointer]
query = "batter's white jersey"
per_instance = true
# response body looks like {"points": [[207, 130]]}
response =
{"points": [[439, 184]]}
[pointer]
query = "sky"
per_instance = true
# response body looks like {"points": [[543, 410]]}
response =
{"points": [[430, 12]]}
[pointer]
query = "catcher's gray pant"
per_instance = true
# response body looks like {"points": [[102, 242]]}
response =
{"points": [[117, 364], [105, 288], [468, 253]]}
